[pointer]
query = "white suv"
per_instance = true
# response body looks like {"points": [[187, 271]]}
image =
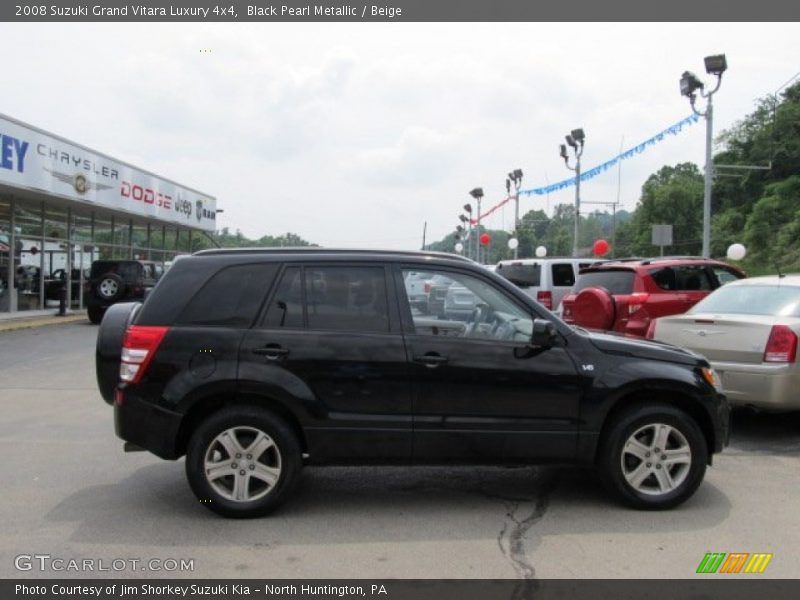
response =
{"points": [[546, 280]]}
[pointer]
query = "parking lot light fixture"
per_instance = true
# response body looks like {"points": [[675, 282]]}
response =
{"points": [[575, 139], [477, 193], [515, 177], [690, 84]]}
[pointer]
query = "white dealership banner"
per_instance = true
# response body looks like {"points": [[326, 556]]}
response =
{"points": [[35, 160]]}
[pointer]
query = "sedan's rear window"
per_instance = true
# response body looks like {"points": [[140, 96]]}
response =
{"points": [[520, 274], [774, 300], [616, 282]]}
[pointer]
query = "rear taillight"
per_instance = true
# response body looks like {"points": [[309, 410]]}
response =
{"points": [[138, 348], [781, 345], [427, 288], [545, 299], [636, 302], [651, 330]]}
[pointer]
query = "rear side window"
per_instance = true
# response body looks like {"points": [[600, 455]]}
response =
{"points": [[684, 278], [346, 298], [231, 298], [129, 271], [520, 274], [563, 275], [616, 282]]}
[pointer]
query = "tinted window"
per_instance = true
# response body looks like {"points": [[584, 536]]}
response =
{"points": [[520, 274], [691, 278], [231, 298], [129, 271], [563, 275], [783, 301], [346, 298], [286, 306], [724, 275], [616, 282]]}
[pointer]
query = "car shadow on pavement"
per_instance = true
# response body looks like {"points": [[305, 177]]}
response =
{"points": [[154, 507], [765, 433]]}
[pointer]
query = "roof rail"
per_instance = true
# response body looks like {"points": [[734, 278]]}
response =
{"points": [[320, 250]]}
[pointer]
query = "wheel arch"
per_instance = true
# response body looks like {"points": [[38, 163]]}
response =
{"points": [[203, 408], [680, 400]]}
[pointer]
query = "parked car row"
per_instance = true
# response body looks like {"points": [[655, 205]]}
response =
{"points": [[747, 328]]}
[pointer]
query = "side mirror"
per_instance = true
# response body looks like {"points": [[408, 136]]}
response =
{"points": [[544, 333]]}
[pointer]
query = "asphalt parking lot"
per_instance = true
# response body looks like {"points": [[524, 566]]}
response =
{"points": [[69, 491]]}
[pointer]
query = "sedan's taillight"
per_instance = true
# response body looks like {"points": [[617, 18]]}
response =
{"points": [[781, 345], [138, 348]]}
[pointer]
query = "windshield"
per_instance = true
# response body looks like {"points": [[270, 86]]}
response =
{"points": [[775, 300]]}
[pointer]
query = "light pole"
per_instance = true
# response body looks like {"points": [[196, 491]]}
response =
{"points": [[575, 139], [468, 221], [477, 193], [515, 177], [715, 65]]}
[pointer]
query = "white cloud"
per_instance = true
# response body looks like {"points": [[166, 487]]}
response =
{"points": [[358, 133]]}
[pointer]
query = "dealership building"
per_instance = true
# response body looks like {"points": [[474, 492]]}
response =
{"points": [[63, 206]]}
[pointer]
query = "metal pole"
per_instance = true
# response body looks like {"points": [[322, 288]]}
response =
{"points": [[516, 222], [478, 237], [708, 176], [577, 204], [424, 231]]}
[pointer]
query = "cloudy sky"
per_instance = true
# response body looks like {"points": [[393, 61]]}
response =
{"points": [[356, 134]]}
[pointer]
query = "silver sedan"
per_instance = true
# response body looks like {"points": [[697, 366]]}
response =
{"points": [[748, 330]]}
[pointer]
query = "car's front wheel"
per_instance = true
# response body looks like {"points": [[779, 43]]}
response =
{"points": [[653, 456], [242, 462]]}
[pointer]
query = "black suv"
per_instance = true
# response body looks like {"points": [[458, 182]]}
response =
{"points": [[112, 281], [255, 362]]}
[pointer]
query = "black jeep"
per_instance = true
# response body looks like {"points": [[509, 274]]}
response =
{"points": [[112, 281], [252, 363]]}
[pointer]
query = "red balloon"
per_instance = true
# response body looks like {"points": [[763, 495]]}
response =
{"points": [[600, 248], [485, 239]]}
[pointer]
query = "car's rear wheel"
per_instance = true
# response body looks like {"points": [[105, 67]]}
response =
{"points": [[653, 456], [242, 462]]}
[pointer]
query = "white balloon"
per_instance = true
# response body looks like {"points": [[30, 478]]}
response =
{"points": [[541, 251], [513, 243], [736, 252], [459, 247]]}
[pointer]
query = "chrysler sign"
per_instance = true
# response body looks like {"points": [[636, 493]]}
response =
{"points": [[34, 160]]}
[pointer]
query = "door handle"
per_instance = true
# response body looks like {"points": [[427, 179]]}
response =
{"points": [[271, 352], [431, 360]]}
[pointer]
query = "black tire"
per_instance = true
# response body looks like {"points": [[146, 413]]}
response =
{"points": [[285, 453], [95, 314], [110, 287], [638, 424]]}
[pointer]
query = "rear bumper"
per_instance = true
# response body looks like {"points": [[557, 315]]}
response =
{"points": [[761, 385], [148, 426]]}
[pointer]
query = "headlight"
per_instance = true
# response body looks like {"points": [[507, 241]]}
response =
{"points": [[711, 377]]}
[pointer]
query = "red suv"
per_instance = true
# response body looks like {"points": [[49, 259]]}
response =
{"points": [[625, 295]]}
